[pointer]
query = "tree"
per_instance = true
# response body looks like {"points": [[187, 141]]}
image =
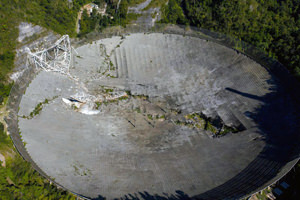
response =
{"points": [[84, 23], [100, 3], [123, 9], [173, 13]]}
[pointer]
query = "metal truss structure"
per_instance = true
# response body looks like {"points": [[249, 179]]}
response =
{"points": [[57, 58]]}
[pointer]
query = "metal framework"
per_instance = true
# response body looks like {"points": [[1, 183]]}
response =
{"points": [[57, 58]]}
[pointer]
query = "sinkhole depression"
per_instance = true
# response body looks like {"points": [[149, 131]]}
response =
{"points": [[159, 114]]}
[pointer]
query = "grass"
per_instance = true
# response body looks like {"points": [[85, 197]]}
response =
{"points": [[5, 142], [132, 17], [156, 4], [132, 3]]}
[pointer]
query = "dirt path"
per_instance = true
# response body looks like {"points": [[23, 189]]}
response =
{"points": [[77, 21], [3, 113], [149, 16], [2, 159], [118, 4], [139, 7]]}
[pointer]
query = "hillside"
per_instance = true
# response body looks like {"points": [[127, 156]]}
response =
{"points": [[273, 26]]}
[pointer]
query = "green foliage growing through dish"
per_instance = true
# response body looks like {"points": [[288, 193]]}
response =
{"points": [[201, 122], [38, 108]]}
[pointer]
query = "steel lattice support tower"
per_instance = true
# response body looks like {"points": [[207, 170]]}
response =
{"points": [[56, 58]]}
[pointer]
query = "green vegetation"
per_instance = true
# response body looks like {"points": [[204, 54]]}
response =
{"points": [[74, 107], [138, 110], [100, 3], [110, 76], [143, 97], [150, 117], [24, 143], [113, 16], [211, 128], [160, 117], [38, 108], [132, 17], [123, 98], [80, 170], [173, 13], [134, 2], [187, 124], [108, 90], [292, 178], [263, 194], [87, 23], [98, 104], [153, 15], [156, 4], [200, 121], [110, 101], [4, 91], [18, 180], [57, 15], [5, 141], [273, 26], [176, 111]]}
